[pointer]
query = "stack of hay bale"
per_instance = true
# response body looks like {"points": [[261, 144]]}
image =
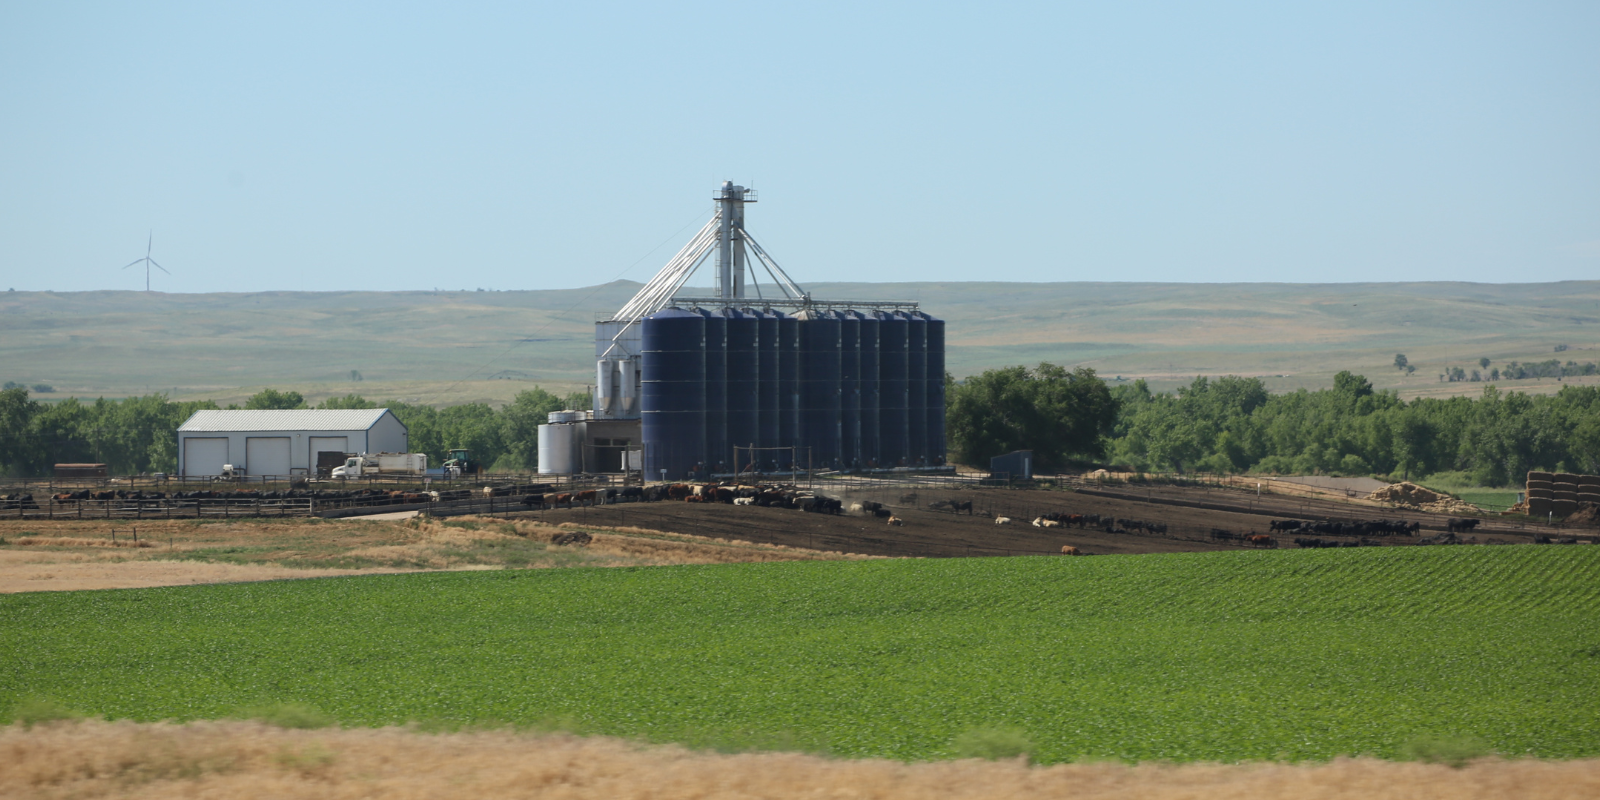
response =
{"points": [[1559, 494]]}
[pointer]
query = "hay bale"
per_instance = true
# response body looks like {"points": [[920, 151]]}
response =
{"points": [[1541, 476], [1406, 494]]}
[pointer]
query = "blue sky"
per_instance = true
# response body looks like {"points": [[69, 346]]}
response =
{"points": [[317, 146]]}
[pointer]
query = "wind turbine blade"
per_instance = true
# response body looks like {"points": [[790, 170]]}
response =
{"points": [[150, 244], [158, 266], [136, 261]]}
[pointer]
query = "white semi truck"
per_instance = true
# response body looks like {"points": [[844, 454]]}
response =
{"points": [[367, 464]]}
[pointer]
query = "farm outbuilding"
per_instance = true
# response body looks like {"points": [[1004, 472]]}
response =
{"points": [[1017, 465], [282, 442]]}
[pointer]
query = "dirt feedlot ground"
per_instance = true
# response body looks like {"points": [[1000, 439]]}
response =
{"points": [[1190, 514], [65, 555]]}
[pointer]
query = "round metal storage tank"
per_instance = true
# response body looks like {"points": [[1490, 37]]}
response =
{"points": [[916, 389], [558, 448], [718, 456], [849, 389], [789, 391], [767, 418], [937, 447], [892, 333], [867, 441], [565, 416], [820, 411], [673, 393], [744, 381]]}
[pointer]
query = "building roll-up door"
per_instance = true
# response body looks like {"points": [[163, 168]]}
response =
{"points": [[203, 457], [327, 444], [266, 455]]}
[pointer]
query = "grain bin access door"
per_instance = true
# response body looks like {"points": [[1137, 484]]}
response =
{"points": [[204, 456]]}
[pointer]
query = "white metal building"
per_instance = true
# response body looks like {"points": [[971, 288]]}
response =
{"points": [[282, 442]]}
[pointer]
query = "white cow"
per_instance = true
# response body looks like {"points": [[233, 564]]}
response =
{"points": [[1002, 520]]}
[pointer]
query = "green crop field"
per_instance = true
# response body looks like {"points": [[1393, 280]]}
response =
{"points": [[1220, 656]]}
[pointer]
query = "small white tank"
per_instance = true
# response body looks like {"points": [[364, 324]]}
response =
{"points": [[558, 447], [565, 416]]}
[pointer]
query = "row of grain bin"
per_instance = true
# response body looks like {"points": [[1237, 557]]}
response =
{"points": [[818, 389], [1558, 494]]}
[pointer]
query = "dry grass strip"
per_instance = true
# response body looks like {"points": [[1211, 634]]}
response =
{"points": [[250, 760]]}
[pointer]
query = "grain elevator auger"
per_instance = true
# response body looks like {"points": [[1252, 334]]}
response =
{"points": [[755, 379], [617, 340]]}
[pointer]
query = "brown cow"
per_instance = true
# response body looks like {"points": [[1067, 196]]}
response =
{"points": [[1069, 550], [562, 499], [585, 497], [679, 491], [1261, 540]]}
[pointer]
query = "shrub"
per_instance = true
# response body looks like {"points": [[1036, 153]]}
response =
{"points": [[31, 711], [289, 715], [992, 743], [1455, 751]]}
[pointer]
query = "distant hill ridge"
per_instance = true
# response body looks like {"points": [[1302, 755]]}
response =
{"points": [[120, 342]]}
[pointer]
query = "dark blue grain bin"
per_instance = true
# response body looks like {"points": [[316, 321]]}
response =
{"points": [[744, 381], [789, 391], [849, 389], [868, 441], [892, 333], [916, 389], [936, 400], [673, 393], [820, 411], [718, 457], [767, 420]]}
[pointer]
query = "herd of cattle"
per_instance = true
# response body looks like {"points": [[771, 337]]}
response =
{"points": [[765, 495]]}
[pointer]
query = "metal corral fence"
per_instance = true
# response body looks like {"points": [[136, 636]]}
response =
{"points": [[177, 484], [206, 508]]}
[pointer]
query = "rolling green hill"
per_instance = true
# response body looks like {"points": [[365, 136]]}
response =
{"points": [[1218, 656], [453, 347]]}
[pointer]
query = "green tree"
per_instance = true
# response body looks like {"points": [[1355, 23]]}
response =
{"points": [[1400, 361], [519, 427], [346, 402], [272, 399], [1053, 412], [19, 442]]}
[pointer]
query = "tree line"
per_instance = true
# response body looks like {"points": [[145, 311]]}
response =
{"points": [[1233, 424], [139, 434], [1067, 417]]}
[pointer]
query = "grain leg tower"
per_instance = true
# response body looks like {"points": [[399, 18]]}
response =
{"points": [[771, 382]]}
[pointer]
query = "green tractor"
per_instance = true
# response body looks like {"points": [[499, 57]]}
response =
{"points": [[460, 463]]}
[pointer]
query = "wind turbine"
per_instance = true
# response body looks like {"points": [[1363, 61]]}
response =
{"points": [[148, 261]]}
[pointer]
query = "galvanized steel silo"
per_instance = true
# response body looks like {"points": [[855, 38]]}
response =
{"points": [[849, 389], [892, 333], [744, 381], [673, 393], [819, 389], [868, 353], [717, 454], [937, 448], [916, 389], [788, 390]]}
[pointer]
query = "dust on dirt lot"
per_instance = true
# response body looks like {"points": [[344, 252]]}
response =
{"points": [[67, 555], [94, 759]]}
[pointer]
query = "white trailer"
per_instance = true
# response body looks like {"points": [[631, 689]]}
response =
{"points": [[367, 464]]}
